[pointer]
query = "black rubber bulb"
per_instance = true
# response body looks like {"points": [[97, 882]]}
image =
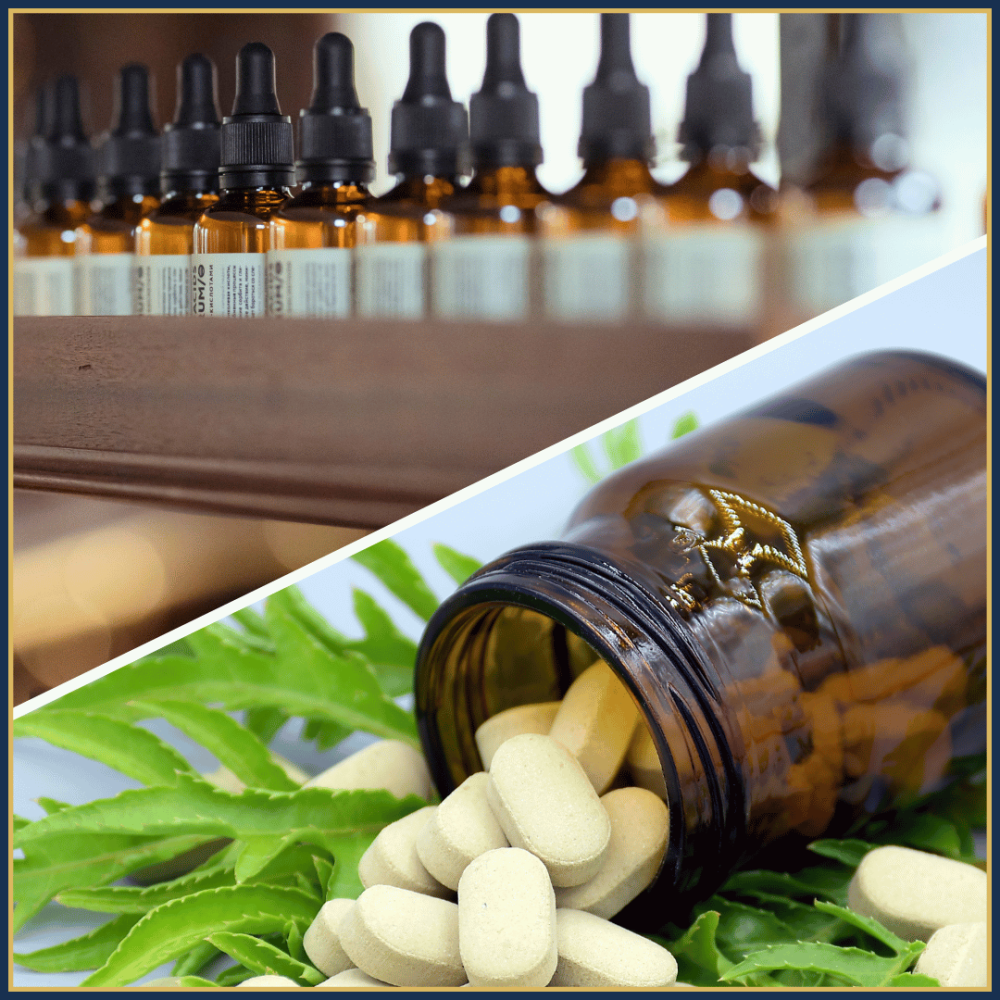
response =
{"points": [[196, 103], [255, 90], [333, 75], [66, 121], [503, 55], [615, 69], [134, 115], [428, 76]]}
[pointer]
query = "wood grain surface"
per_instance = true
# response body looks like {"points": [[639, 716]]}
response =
{"points": [[352, 423]]}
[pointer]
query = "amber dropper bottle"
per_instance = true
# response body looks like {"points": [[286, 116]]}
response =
{"points": [[590, 261], [706, 265], [256, 172], [190, 183], [310, 263], [427, 152], [869, 218], [129, 189], [60, 187], [486, 269]]}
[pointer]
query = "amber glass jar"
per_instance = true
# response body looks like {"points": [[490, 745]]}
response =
{"points": [[795, 597]]}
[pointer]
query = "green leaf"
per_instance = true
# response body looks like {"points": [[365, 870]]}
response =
{"points": [[192, 982], [264, 722], [395, 569], [233, 976], [294, 939], [324, 872], [51, 805], [458, 566], [130, 749], [327, 734], [350, 689], [86, 952], [581, 456], [911, 980], [345, 883], [222, 736], [312, 815], [228, 672], [743, 929], [684, 425], [258, 852], [699, 959], [19, 821], [193, 961], [926, 833], [253, 623], [856, 966], [621, 444], [847, 852], [173, 928], [142, 899], [867, 924], [391, 654], [75, 860], [265, 959], [807, 883]]}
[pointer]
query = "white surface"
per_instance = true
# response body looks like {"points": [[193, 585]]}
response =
{"points": [[944, 313]]}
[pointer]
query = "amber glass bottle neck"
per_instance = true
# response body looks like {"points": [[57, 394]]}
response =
{"points": [[426, 187], [336, 191], [500, 181], [249, 198], [617, 173]]}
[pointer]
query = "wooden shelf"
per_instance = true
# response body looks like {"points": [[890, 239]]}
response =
{"points": [[352, 423]]}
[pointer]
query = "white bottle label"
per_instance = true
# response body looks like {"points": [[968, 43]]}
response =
{"points": [[43, 286], [391, 280], [483, 277], [162, 285], [228, 284], [704, 274], [104, 284], [588, 277], [309, 282], [831, 262]]}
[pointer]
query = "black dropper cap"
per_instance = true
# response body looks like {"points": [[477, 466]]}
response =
{"points": [[26, 153], [191, 141], [430, 132], [130, 154], [335, 132], [718, 113], [258, 148], [64, 164], [862, 89], [503, 115], [617, 122]]}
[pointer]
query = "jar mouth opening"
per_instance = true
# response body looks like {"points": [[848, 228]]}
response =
{"points": [[514, 635]]}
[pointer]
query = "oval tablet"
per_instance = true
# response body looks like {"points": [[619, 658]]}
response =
{"points": [[914, 893], [640, 824], [956, 955], [388, 764], [353, 979], [322, 941], [595, 952], [462, 828], [271, 982], [404, 938], [507, 920], [595, 722], [499, 728], [644, 762], [392, 858], [545, 803]]}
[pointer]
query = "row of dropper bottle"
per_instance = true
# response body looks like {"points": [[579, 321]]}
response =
{"points": [[617, 245]]}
